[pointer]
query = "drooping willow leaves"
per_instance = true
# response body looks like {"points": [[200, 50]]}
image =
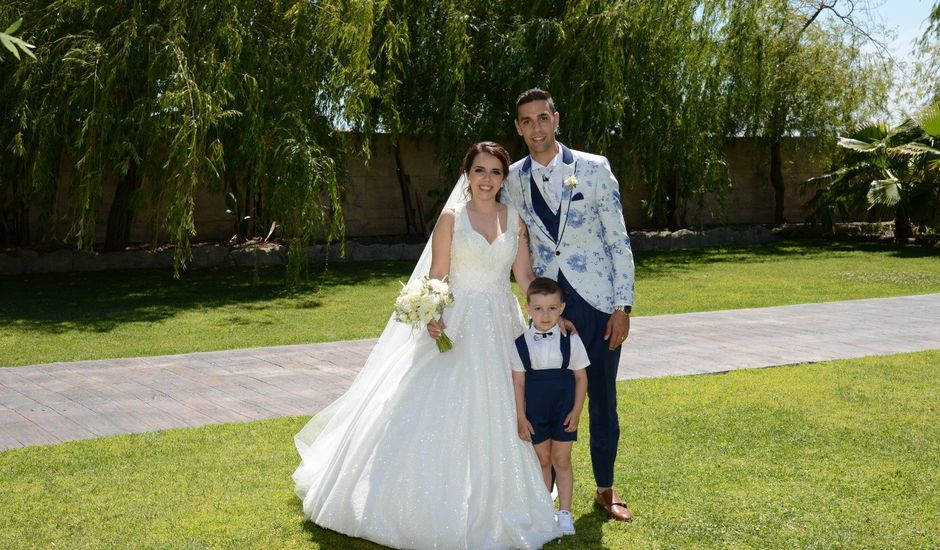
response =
{"points": [[163, 99]]}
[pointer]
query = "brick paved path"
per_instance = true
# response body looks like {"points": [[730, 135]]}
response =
{"points": [[44, 404]]}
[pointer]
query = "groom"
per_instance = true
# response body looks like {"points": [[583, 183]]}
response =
{"points": [[570, 202]]}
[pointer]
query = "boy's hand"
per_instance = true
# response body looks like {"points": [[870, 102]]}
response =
{"points": [[525, 429], [571, 421]]}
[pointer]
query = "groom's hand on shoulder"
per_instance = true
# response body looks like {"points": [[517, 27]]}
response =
{"points": [[566, 327]]}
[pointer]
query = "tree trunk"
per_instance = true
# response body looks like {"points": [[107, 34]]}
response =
{"points": [[14, 226], [14, 218], [248, 214], [235, 208], [672, 202], [120, 215], [776, 180], [419, 205], [404, 182], [23, 237], [903, 230]]}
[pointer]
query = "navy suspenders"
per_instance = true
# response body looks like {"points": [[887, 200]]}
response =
{"points": [[523, 350]]}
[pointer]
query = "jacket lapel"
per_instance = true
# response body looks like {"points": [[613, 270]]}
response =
{"points": [[525, 175], [567, 159]]}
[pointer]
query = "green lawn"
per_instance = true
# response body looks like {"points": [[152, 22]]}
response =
{"points": [[65, 317], [832, 455]]}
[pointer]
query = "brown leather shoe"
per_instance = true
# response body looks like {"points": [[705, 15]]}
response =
{"points": [[610, 502]]}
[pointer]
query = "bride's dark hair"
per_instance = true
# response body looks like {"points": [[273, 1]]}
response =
{"points": [[490, 148]]}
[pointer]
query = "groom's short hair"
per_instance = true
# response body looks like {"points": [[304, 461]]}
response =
{"points": [[535, 94], [544, 286]]}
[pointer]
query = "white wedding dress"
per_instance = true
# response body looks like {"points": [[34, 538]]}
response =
{"points": [[422, 452]]}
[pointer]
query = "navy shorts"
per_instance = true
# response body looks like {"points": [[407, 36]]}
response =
{"points": [[549, 397]]}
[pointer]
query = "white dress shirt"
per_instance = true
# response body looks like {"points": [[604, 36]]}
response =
{"points": [[552, 188], [545, 352]]}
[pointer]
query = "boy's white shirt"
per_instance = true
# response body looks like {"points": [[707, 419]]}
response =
{"points": [[545, 353]]}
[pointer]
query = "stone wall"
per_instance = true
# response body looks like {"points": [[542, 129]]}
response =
{"points": [[373, 201], [20, 262], [373, 207]]}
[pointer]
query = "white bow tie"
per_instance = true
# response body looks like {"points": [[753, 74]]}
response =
{"points": [[543, 335]]}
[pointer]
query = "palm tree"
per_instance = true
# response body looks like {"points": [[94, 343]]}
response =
{"points": [[885, 169]]}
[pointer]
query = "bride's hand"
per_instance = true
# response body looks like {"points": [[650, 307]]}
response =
{"points": [[435, 328], [566, 327]]}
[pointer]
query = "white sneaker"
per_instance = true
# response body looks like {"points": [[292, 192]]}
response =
{"points": [[565, 522]]}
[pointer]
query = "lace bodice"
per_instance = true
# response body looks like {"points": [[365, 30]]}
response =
{"points": [[475, 263]]}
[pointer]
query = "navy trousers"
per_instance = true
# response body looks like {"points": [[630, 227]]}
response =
{"points": [[602, 374], [602, 382]]}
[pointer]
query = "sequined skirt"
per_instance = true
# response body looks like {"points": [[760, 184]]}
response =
{"points": [[438, 463]]}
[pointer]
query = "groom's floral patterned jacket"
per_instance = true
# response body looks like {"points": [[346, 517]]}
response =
{"points": [[593, 248]]}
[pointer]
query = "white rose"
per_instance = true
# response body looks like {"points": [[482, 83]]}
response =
{"points": [[438, 286]]}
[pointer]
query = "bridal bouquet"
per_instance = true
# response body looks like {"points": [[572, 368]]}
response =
{"points": [[422, 301]]}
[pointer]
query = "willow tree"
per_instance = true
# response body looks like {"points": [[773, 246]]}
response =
{"points": [[643, 89], [13, 44], [924, 87], [166, 98], [664, 106], [420, 53], [798, 68], [14, 218], [631, 84]]}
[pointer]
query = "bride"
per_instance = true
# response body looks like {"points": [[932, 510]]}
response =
{"points": [[422, 450]]}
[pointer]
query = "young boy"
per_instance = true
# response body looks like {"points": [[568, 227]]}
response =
{"points": [[550, 384]]}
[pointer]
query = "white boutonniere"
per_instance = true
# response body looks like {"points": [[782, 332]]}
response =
{"points": [[571, 182]]}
